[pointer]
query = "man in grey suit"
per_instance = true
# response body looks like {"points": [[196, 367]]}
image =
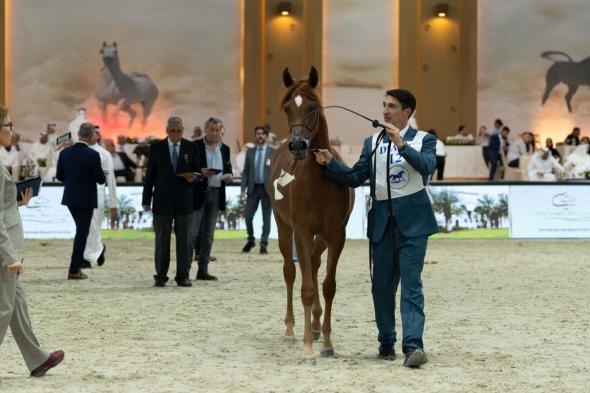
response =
{"points": [[255, 186], [13, 304]]}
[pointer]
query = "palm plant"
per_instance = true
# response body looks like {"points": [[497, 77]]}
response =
{"points": [[446, 202]]}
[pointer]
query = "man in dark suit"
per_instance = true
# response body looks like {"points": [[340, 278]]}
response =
{"points": [[214, 161], [400, 220], [122, 164], [79, 168], [497, 142], [255, 186], [171, 170]]}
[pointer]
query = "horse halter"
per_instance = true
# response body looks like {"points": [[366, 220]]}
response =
{"points": [[300, 141]]}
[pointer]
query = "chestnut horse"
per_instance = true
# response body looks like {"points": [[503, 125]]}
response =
{"points": [[308, 207]]}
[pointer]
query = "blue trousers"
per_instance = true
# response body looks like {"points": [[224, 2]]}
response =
{"points": [[398, 258]]}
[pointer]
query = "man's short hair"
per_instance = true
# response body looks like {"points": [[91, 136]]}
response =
{"points": [[499, 121], [505, 128], [173, 122], [576, 129], [263, 128], [461, 127], [405, 98], [86, 130], [213, 120]]}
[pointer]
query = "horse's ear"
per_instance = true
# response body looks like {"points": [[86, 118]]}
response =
{"points": [[115, 44], [104, 43], [313, 77], [287, 79]]}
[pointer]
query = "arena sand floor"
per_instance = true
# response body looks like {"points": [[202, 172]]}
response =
{"points": [[502, 315]]}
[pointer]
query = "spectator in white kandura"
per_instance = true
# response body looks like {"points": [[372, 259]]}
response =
{"points": [[543, 167], [75, 124], [42, 153], [11, 157], [518, 148], [578, 162]]}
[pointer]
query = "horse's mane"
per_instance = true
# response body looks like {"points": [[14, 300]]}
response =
{"points": [[303, 89]]}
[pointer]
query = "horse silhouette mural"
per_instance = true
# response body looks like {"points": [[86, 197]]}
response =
{"points": [[115, 87], [572, 73]]}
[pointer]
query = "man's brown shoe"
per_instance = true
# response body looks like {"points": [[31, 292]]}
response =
{"points": [[54, 359], [77, 276]]}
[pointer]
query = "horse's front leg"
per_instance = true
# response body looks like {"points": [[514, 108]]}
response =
{"points": [[304, 244], [316, 324], [289, 272], [335, 245]]}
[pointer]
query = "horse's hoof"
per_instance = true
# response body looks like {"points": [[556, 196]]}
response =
{"points": [[308, 360], [290, 339], [316, 335], [327, 353]]}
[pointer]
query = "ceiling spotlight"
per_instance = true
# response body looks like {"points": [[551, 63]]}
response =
{"points": [[441, 10], [284, 8]]}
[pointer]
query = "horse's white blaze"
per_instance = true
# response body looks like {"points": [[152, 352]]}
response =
{"points": [[284, 179], [298, 101]]}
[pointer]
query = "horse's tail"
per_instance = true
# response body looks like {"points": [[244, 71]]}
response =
{"points": [[556, 56]]}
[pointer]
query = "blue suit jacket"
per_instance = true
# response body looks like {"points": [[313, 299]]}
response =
{"points": [[413, 212], [78, 167]]}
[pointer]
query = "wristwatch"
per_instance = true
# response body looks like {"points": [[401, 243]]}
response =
{"points": [[401, 149]]}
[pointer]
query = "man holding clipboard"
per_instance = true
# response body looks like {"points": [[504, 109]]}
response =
{"points": [[214, 161]]}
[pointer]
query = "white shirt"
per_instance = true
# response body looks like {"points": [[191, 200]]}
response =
{"points": [[40, 151], [515, 150], [547, 166], [106, 162], [440, 148], [118, 164]]}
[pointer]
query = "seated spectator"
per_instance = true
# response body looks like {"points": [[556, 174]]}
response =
{"points": [[518, 148], [440, 156], [463, 134], [142, 152], [42, 152], [578, 162], [543, 167], [552, 149], [573, 139], [122, 164]]}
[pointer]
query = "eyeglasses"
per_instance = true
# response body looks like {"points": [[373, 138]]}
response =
{"points": [[8, 125], [175, 131]]}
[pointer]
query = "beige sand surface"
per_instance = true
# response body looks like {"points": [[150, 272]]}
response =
{"points": [[502, 316]]}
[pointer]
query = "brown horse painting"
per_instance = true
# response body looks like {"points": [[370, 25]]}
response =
{"points": [[309, 208], [572, 73]]}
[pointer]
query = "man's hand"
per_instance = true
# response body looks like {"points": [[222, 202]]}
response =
{"points": [[15, 267], [228, 179], [26, 196], [394, 136], [146, 208], [189, 177], [323, 156], [206, 172], [242, 195], [540, 174]]}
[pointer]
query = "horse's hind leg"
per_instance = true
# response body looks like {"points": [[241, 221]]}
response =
{"points": [[147, 106], [289, 272], [551, 79], [569, 95], [316, 325], [335, 242]]}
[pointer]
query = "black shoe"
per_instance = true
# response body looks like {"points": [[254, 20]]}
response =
{"points": [[185, 282], [205, 276], [415, 357], [386, 352], [248, 246], [160, 282], [85, 265], [263, 250], [100, 259]]}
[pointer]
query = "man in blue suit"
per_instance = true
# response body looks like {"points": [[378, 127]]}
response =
{"points": [[398, 161], [79, 168]]}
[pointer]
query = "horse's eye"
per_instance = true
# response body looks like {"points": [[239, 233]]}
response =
{"points": [[286, 108]]}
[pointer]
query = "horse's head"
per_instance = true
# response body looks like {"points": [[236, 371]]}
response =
{"points": [[109, 53], [302, 107]]}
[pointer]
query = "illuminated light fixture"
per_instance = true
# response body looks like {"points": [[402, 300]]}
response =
{"points": [[441, 10], [284, 8]]}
